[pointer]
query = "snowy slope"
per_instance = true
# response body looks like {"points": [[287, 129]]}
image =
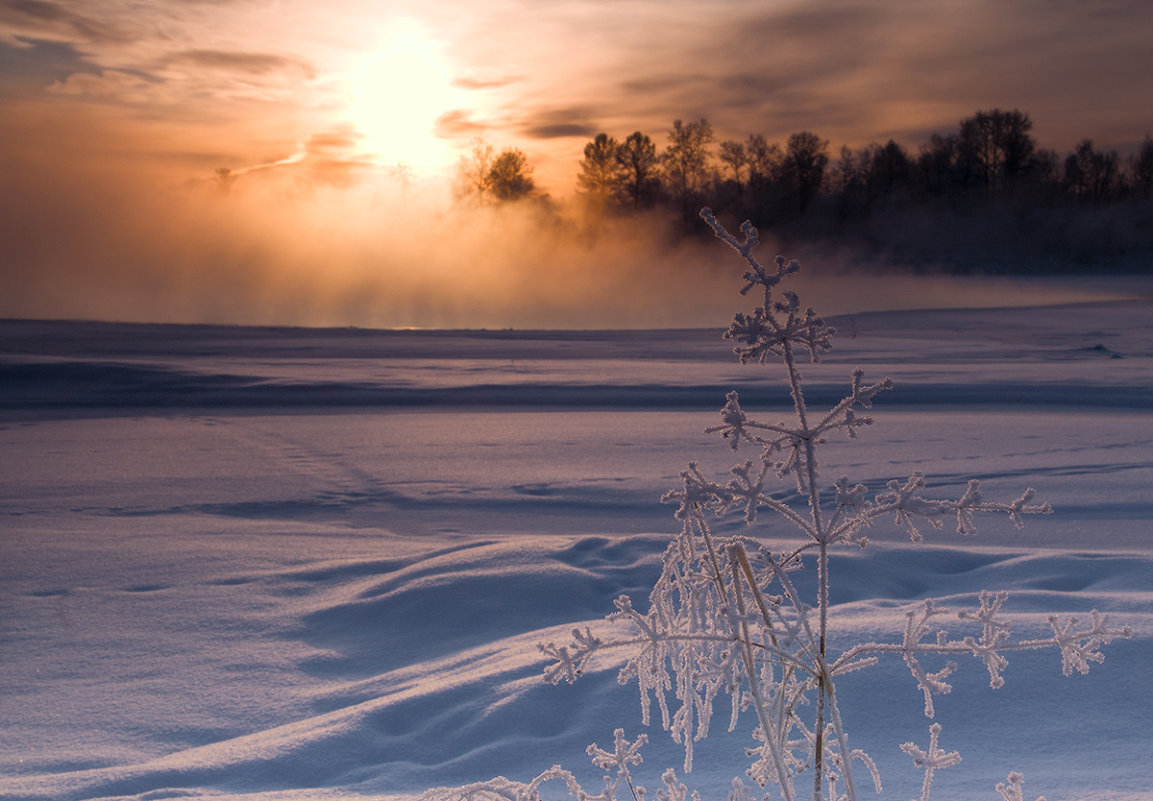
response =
{"points": [[288, 563]]}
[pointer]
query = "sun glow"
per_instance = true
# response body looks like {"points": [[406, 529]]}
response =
{"points": [[399, 92]]}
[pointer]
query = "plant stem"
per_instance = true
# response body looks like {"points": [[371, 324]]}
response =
{"points": [[809, 476], [769, 731]]}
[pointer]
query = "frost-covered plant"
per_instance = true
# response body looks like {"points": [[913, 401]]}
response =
{"points": [[725, 618]]}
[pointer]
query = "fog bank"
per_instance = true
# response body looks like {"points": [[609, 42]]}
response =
{"points": [[300, 247]]}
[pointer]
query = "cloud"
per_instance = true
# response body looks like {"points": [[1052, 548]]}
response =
{"points": [[458, 123], [477, 83], [338, 140], [241, 62], [37, 62], [559, 130], [558, 123], [776, 70], [56, 21], [856, 72], [814, 25], [333, 157], [108, 86], [330, 158]]}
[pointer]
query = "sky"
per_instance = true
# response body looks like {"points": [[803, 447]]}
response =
{"points": [[117, 113]]}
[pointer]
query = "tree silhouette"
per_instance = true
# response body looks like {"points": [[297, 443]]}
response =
{"points": [[1142, 169], [765, 162], [686, 162], [637, 156], [474, 171], [600, 171], [1091, 174], [764, 159], [736, 159], [511, 176], [937, 164], [985, 180], [806, 156], [848, 180], [995, 147], [890, 169]]}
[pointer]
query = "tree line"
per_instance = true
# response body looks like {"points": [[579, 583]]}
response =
{"points": [[988, 178]]}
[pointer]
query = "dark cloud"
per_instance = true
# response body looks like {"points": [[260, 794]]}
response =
{"points": [[40, 62], [817, 24], [559, 122], [799, 75], [56, 20], [649, 84], [239, 61], [110, 86], [855, 72], [559, 130]]}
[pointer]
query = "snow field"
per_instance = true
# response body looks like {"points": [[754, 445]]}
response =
{"points": [[242, 589]]}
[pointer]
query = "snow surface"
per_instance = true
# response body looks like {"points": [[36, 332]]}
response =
{"points": [[269, 564]]}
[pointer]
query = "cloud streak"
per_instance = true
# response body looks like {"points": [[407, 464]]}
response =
{"points": [[41, 19], [241, 62]]}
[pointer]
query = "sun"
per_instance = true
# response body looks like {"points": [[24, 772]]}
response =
{"points": [[398, 93]]}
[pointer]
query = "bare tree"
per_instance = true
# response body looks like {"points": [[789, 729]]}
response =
{"points": [[1091, 174], [848, 179], [1141, 168], [937, 163], [764, 159], [686, 161], [736, 159], [845, 173], [995, 147], [806, 156], [889, 168], [474, 171]]}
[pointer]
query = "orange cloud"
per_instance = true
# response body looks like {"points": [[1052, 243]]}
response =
{"points": [[241, 62], [108, 85]]}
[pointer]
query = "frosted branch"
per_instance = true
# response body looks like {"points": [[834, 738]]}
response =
{"points": [[932, 760], [1012, 789], [719, 623]]}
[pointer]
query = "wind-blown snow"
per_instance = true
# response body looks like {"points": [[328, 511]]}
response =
{"points": [[306, 564]]}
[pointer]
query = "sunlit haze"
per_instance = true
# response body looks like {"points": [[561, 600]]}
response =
{"points": [[252, 161], [398, 93]]}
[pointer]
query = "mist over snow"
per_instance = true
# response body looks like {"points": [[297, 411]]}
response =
{"points": [[317, 247], [265, 564]]}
